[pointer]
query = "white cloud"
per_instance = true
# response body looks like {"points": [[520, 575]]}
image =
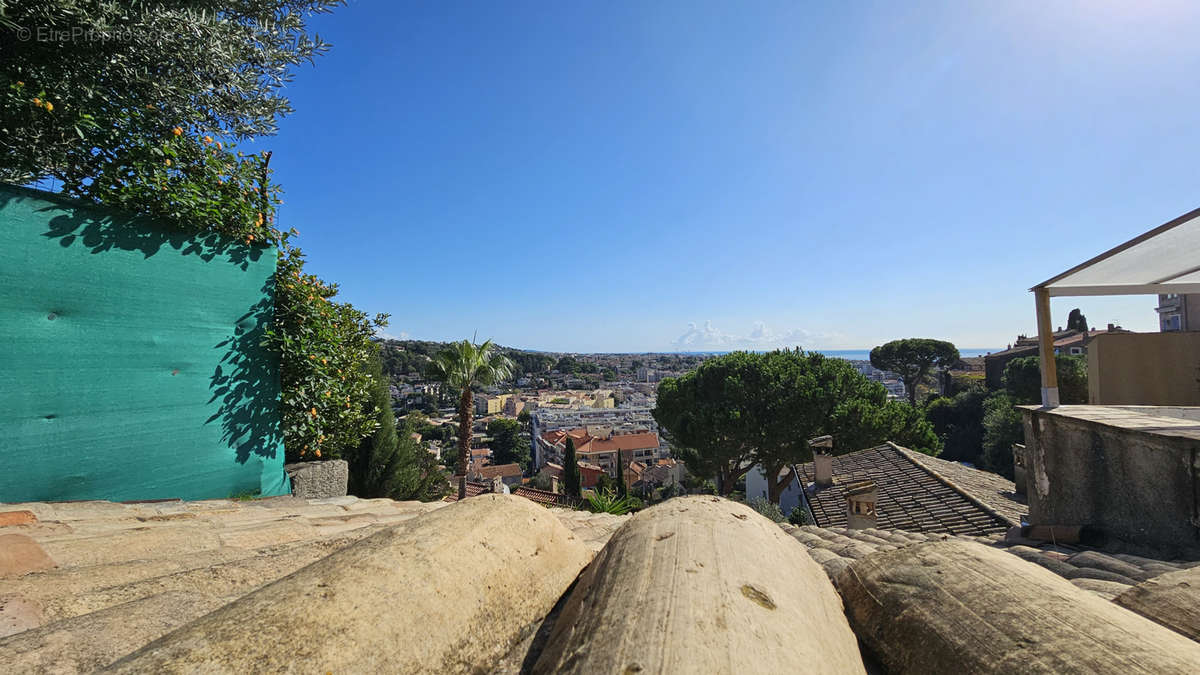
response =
{"points": [[384, 335], [760, 337]]}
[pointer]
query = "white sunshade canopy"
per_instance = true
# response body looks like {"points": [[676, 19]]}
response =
{"points": [[1163, 260]]}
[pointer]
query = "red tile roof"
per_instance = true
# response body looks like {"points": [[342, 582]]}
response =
{"points": [[624, 442], [474, 489], [501, 470], [543, 497], [587, 444]]}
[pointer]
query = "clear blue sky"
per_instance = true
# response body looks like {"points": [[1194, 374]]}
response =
{"points": [[647, 176]]}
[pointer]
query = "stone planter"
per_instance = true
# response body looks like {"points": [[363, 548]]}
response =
{"points": [[317, 480]]}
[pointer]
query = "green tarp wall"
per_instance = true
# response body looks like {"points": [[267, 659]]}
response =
{"points": [[130, 365]]}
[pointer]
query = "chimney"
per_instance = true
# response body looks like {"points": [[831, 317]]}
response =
{"points": [[498, 485], [822, 460], [860, 504], [554, 484], [823, 465], [1111, 328]]}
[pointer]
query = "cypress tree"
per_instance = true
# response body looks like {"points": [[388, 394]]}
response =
{"points": [[389, 463], [571, 470], [373, 463], [620, 475]]}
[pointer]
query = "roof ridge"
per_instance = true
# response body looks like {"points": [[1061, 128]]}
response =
{"points": [[908, 454]]}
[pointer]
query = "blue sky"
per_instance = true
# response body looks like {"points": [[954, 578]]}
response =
{"points": [[646, 176]]}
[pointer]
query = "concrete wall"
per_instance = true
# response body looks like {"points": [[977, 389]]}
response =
{"points": [[1134, 477], [1144, 369]]}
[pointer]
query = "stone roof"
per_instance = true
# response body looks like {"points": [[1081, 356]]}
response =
{"points": [[913, 494], [990, 489], [122, 576], [110, 577], [1106, 574]]}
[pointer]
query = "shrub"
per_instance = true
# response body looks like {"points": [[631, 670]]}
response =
{"points": [[767, 509], [1002, 426], [324, 350], [609, 502], [800, 516]]}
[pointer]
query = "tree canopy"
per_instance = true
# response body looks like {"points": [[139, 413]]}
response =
{"points": [[958, 421], [84, 83], [1023, 379], [742, 409], [1077, 321], [913, 359], [508, 443]]}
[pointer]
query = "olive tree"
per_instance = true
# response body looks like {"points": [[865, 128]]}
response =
{"points": [[83, 83]]}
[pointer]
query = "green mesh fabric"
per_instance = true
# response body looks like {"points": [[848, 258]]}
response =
{"points": [[130, 363]]}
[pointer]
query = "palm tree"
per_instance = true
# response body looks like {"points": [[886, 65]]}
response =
{"points": [[464, 365]]}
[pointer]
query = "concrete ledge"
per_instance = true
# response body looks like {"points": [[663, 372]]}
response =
{"points": [[1130, 475], [319, 480]]}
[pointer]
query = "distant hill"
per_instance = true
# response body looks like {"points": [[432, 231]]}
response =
{"points": [[410, 358]]}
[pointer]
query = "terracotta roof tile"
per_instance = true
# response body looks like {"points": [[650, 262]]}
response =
{"points": [[501, 470], [542, 497]]}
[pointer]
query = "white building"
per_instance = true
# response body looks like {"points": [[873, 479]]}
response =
{"points": [[789, 499]]}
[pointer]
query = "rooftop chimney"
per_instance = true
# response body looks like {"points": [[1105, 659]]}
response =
{"points": [[822, 460], [1111, 327], [860, 504], [554, 484]]}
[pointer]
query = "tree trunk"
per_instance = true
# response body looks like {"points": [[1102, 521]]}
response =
{"points": [[776, 486], [912, 391], [729, 476], [464, 431]]}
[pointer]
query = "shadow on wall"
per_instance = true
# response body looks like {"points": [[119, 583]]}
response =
{"points": [[246, 384], [94, 228]]}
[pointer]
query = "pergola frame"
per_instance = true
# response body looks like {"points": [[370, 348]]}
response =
{"points": [[1163, 260]]}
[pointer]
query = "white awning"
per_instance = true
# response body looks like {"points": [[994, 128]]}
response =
{"points": [[1163, 260]]}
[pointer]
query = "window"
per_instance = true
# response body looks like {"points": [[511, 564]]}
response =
{"points": [[1171, 322], [1076, 351]]}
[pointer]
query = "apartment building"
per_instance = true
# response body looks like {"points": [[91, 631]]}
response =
{"points": [[601, 450], [486, 404], [1178, 311], [602, 421]]}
